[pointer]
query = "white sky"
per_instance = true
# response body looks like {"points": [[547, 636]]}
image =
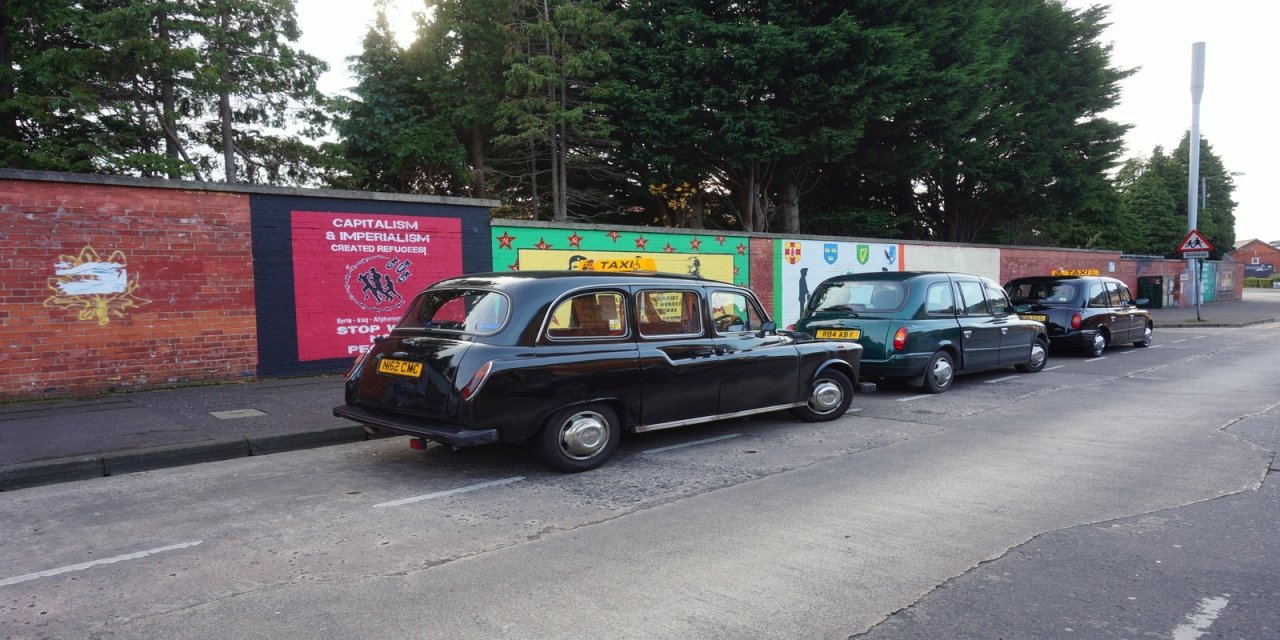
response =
{"points": [[1237, 112]]}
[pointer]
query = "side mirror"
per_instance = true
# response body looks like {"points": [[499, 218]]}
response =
{"points": [[1022, 308], [1141, 302], [768, 328]]}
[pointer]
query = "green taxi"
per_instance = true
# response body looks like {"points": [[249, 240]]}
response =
{"points": [[925, 327]]}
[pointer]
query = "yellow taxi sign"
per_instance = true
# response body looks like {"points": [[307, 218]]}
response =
{"points": [[637, 263], [1075, 272]]}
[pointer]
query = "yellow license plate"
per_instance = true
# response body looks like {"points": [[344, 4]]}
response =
{"points": [[839, 334], [1034, 316], [400, 368]]}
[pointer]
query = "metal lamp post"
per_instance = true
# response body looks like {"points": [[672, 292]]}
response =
{"points": [[1193, 182]]}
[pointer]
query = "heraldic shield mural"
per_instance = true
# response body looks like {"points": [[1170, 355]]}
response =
{"points": [[715, 257], [802, 264]]}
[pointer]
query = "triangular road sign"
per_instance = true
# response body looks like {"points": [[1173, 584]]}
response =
{"points": [[1194, 242]]}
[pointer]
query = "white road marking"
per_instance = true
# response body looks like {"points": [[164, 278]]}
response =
{"points": [[1001, 379], [1096, 359], [853, 410], [910, 398], [1177, 341], [1156, 346], [1198, 623], [1198, 337], [1057, 367], [93, 563], [1125, 353], [450, 492], [690, 444]]}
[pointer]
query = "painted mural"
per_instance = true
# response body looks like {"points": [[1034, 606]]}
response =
{"points": [[355, 273], [96, 288], [801, 265], [710, 256]]}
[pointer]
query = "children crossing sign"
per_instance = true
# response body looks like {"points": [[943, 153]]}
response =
{"points": [[1194, 244]]}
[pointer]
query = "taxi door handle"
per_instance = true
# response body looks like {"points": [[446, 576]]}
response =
{"points": [[1004, 329], [968, 333], [722, 350]]}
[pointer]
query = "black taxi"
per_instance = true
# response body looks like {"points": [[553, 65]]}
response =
{"points": [[567, 361], [1088, 313]]}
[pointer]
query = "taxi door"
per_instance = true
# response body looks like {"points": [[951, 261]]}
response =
{"points": [[756, 371], [1015, 336], [679, 369], [1121, 313], [979, 329]]}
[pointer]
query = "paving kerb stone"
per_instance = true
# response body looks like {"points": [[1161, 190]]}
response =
{"points": [[281, 442], [34, 474], [121, 462]]}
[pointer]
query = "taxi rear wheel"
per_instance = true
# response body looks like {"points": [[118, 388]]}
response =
{"points": [[829, 398], [939, 373], [1099, 343], [578, 438], [1039, 356]]}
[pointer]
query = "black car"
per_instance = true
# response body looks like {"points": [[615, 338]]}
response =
{"points": [[569, 360], [925, 327], [1087, 313]]}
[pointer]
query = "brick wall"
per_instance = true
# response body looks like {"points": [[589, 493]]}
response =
{"points": [[112, 287]]}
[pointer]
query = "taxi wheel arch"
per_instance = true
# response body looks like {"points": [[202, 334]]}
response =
{"points": [[827, 398]]}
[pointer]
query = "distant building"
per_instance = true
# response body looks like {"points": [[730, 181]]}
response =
{"points": [[1260, 258]]}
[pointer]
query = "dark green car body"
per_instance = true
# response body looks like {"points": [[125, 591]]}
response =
{"points": [[925, 327]]}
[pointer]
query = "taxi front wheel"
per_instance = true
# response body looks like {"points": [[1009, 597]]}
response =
{"points": [[829, 398], [578, 438]]}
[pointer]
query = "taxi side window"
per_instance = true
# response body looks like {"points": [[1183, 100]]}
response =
{"points": [[1098, 295], [589, 315], [939, 301], [669, 313], [971, 296], [1119, 295], [999, 301], [732, 311]]}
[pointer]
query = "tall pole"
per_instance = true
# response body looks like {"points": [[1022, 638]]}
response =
{"points": [[1193, 176]]}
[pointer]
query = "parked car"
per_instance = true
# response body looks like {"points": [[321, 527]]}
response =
{"points": [[567, 361], [925, 327], [1084, 312]]}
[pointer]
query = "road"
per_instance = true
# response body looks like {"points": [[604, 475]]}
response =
{"points": [[1012, 506]]}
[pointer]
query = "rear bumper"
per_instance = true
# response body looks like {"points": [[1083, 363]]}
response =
{"points": [[448, 434], [898, 366], [1075, 338]]}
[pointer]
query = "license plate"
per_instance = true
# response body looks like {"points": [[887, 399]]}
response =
{"points": [[839, 334], [400, 368], [1039, 317]]}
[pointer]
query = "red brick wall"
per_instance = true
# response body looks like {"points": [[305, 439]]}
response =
{"points": [[1019, 262], [174, 303], [762, 284]]}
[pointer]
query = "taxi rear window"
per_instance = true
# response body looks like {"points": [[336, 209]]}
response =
{"points": [[475, 311], [858, 296]]}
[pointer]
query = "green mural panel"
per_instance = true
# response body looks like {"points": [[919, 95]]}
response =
{"points": [[708, 255]]}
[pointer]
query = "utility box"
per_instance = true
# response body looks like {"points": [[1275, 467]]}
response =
{"points": [[1151, 288]]}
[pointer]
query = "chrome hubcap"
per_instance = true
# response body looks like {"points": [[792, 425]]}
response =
{"points": [[1146, 335], [1037, 354], [1099, 343], [942, 372], [826, 396], [584, 435]]}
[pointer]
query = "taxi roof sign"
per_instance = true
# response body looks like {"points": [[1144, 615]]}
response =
{"points": [[1194, 242], [637, 263]]}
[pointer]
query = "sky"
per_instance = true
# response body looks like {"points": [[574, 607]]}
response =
{"points": [[1238, 112]]}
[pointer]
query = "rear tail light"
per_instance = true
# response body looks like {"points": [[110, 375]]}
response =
{"points": [[473, 386], [900, 339], [355, 365], [1075, 320]]}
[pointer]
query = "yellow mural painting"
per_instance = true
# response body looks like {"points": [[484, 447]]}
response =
{"points": [[95, 288], [709, 266]]}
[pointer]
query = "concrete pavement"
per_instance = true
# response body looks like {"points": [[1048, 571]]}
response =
{"points": [[57, 441]]}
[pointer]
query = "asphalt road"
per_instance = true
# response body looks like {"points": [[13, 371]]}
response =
{"points": [[1120, 497]]}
